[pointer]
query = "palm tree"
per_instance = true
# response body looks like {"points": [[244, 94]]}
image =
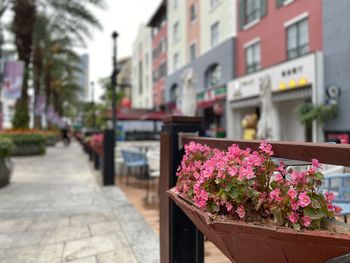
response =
{"points": [[73, 18]]}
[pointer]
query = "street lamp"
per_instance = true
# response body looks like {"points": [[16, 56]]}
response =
{"points": [[93, 105], [114, 80]]}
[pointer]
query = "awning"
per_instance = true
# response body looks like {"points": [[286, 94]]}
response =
{"points": [[295, 94], [154, 116], [245, 103]]}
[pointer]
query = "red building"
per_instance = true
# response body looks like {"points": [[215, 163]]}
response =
{"points": [[158, 23], [279, 44], [268, 26]]}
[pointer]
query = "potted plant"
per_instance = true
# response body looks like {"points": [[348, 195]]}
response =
{"points": [[243, 201], [6, 165]]}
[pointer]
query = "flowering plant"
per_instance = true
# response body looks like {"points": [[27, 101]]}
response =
{"points": [[247, 185], [96, 140]]}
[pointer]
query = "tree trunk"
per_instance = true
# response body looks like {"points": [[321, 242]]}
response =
{"points": [[37, 70], [23, 27]]}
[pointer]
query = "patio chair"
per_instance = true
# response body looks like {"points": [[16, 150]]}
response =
{"points": [[340, 185]]}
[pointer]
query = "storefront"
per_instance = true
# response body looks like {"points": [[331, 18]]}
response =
{"points": [[211, 105], [292, 84]]}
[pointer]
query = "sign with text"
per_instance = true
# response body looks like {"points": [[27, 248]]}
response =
{"points": [[13, 79]]}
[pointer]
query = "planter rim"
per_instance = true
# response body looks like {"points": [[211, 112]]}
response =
{"points": [[210, 220]]}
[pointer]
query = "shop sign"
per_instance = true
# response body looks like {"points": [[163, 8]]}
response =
{"points": [[212, 95], [292, 74]]}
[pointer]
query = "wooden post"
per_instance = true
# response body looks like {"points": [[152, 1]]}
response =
{"points": [[180, 240], [108, 157]]}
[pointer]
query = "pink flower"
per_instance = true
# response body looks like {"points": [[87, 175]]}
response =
{"points": [[278, 177], [329, 196], [337, 209], [240, 211], [293, 217], [294, 205], [315, 163], [246, 173], [307, 220], [304, 199], [232, 170], [266, 148], [330, 207], [274, 194], [229, 207], [292, 193]]}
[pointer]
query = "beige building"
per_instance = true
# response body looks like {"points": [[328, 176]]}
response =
{"points": [[141, 80]]}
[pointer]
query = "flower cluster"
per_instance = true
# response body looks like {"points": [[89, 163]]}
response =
{"points": [[248, 185], [96, 140]]}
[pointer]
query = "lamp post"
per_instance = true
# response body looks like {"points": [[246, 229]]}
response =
{"points": [[93, 105], [114, 81]]}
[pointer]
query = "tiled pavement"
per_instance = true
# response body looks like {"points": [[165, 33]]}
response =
{"points": [[54, 211]]}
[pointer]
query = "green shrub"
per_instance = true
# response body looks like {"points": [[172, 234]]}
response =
{"points": [[6, 147]]}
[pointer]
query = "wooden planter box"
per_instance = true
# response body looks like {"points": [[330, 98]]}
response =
{"points": [[245, 242]]}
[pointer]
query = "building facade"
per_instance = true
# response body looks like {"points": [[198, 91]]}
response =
{"points": [[141, 84], [336, 48], [279, 48], [158, 23], [201, 57], [83, 78]]}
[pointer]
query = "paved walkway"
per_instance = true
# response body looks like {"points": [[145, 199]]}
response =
{"points": [[54, 211]]}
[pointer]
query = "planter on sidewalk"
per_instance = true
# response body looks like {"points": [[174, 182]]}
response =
{"points": [[26, 144], [6, 166], [248, 242]]}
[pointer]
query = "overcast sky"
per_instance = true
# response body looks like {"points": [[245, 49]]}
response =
{"points": [[124, 16]]}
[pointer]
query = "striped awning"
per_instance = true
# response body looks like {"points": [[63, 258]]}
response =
{"points": [[245, 103], [293, 94]]}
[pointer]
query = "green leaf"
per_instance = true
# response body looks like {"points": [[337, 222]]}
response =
{"points": [[277, 216], [314, 213], [314, 203], [297, 226], [229, 186], [319, 176], [234, 193]]}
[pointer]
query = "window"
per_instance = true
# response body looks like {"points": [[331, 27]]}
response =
{"points": [[162, 70], [176, 32], [176, 61], [298, 39], [140, 77], [163, 45], [174, 93], [214, 34], [193, 13], [252, 8], [214, 3], [193, 51], [280, 3], [176, 4], [252, 58], [213, 76]]}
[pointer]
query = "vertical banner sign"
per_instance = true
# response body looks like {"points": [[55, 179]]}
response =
{"points": [[40, 105], [13, 78]]}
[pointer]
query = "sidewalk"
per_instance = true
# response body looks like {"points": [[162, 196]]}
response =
{"points": [[54, 211]]}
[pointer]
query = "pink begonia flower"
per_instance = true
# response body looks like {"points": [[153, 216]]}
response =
{"points": [[278, 177], [315, 163], [293, 217], [240, 211], [266, 148], [329, 196], [232, 170], [229, 207], [304, 199], [337, 209], [292, 193], [196, 175], [306, 220], [275, 194], [246, 172], [201, 199], [330, 207], [311, 170], [294, 205]]}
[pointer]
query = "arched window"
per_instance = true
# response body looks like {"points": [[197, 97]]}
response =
{"points": [[174, 92], [213, 76]]}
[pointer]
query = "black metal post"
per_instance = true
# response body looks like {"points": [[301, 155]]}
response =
{"points": [[108, 157], [180, 240], [114, 81]]}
